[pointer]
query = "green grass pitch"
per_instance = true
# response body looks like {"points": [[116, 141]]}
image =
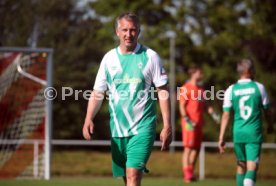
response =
{"points": [[107, 181]]}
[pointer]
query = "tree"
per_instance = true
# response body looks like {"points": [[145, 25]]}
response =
{"points": [[214, 34]]}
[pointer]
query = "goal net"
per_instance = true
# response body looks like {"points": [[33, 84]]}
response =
{"points": [[24, 134]]}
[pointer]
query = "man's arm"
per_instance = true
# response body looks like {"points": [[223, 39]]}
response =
{"points": [[94, 104], [213, 114], [182, 110], [224, 123], [164, 101], [267, 110], [227, 106]]}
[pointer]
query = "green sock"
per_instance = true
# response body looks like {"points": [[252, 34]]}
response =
{"points": [[250, 174], [239, 179]]}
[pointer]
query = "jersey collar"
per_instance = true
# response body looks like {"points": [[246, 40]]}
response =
{"points": [[244, 80], [135, 50]]}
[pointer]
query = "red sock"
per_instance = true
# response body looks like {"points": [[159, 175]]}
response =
{"points": [[188, 172], [191, 171], [185, 172]]}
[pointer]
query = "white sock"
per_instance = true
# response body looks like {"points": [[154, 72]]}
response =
{"points": [[248, 182]]}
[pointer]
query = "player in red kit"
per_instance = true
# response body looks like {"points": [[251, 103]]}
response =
{"points": [[192, 106]]}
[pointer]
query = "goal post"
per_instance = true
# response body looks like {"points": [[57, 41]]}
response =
{"points": [[32, 112]]}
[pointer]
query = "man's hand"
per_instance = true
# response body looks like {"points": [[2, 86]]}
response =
{"points": [[87, 129], [189, 123], [166, 137], [221, 146]]}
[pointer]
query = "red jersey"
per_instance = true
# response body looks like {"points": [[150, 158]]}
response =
{"points": [[194, 107]]}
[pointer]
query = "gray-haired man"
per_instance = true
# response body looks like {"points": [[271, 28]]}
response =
{"points": [[131, 69]]}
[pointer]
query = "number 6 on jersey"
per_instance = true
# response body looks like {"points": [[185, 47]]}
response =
{"points": [[245, 110]]}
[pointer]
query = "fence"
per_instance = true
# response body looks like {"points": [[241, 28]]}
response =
{"points": [[107, 143]]}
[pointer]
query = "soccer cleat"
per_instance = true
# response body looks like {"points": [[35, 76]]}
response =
{"points": [[187, 181], [193, 179]]}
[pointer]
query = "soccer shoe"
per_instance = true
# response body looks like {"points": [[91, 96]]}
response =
{"points": [[193, 179], [187, 181]]}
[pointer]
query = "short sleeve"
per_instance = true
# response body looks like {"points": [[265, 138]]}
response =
{"points": [[100, 82], [227, 101], [265, 99], [159, 75]]}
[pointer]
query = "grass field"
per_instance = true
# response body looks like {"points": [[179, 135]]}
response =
{"points": [[92, 168], [100, 181], [161, 164]]}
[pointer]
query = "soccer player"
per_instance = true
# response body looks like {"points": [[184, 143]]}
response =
{"points": [[129, 73], [247, 99], [192, 106]]}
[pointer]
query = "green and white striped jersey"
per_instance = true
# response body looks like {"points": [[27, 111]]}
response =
{"points": [[246, 98], [129, 78]]}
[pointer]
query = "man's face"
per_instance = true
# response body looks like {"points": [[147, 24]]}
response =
{"points": [[128, 32]]}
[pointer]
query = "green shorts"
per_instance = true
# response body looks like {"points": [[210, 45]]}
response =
{"points": [[248, 151], [131, 152]]}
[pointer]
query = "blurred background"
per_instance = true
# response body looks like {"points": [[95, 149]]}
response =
{"points": [[214, 34]]}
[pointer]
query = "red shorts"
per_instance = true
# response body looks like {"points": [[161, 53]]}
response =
{"points": [[191, 138]]}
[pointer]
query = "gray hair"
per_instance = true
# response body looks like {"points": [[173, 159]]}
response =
{"points": [[245, 66], [128, 16]]}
